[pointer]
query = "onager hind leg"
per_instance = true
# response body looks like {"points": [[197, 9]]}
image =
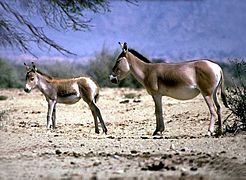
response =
{"points": [[160, 127], [211, 107], [215, 98]]}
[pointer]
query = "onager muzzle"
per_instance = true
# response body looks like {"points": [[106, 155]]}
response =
{"points": [[113, 79], [27, 89]]}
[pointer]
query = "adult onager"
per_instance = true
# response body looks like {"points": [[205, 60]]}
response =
{"points": [[66, 91], [181, 81]]}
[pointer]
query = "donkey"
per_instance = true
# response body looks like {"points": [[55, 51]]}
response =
{"points": [[181, 81], [66, 91]]}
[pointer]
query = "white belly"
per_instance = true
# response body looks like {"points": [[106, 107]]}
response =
{"points": [[181, 93]]}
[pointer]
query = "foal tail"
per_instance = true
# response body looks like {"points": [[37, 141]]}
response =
{"points": [[223, 94], [96, 97]]}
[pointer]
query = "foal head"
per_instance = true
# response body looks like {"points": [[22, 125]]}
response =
{"points": [[31, 77], [121, 67]]}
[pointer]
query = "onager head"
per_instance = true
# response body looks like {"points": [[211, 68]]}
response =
{"points": [[31, 77], [121, 67]]}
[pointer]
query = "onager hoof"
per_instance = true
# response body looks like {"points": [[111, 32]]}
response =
{"points": [[49, 127], [211, 133], [97, 131], [157, 133], [105, 131]]}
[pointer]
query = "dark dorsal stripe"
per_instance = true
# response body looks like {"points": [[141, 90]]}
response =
{"points": [[139, 56]]}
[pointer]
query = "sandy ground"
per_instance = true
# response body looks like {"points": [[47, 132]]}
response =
{"points": [[129, 151]]}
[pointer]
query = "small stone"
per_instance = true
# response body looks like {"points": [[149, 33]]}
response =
{"points": [[172, 168], [134, 152], [172, 147], [193, 168], [97, 163], [58, 152], [124, 101]]}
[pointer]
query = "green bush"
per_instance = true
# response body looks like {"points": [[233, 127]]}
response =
{"points": [[101, 66], [9, 76], [62, 69]]}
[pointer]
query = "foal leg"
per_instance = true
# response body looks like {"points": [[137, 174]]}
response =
{"points": [[160, 127], [54, 117], [51, 104], [211, 107], [96, 110], [95, 119]]}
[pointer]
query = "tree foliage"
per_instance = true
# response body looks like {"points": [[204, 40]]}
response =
{"points": [[17, 29]]}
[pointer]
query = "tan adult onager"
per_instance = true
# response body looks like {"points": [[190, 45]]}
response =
{"points": [[181, 81]]}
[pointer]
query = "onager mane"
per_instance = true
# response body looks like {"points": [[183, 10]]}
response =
{"points": [[137, 54]]}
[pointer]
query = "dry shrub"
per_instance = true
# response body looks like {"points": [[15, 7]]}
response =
{"points": [[236, 97]]}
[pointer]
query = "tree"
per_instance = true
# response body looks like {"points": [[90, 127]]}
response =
{"points": [[18, 30]]}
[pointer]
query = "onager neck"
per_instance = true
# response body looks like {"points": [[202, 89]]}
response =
{"points": [[43, 84], [137, 67]]}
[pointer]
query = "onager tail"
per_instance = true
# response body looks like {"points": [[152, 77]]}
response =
{"points": [[223, 94]]}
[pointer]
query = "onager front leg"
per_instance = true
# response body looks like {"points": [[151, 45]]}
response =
{"points": [[160, 127], [50, 115]]}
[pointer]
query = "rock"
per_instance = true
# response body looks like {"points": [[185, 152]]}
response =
{"points": [[193, 168], [172, 147], [124, 102], [58, 152], [156, 167], [76, 155], [144, 137], [136, 100], [97, 163], [172, 168], [134, 152]]}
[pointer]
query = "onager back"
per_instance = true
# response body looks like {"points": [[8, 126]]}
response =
{"points": [[181, 81], [66, 91]]}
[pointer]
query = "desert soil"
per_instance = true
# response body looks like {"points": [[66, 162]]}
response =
{"points": [[129, 151]]}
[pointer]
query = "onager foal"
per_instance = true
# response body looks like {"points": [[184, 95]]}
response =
{"points": [[181, 81], [66, 91]]}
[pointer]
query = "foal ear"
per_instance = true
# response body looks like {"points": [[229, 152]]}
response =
{"points": [[27, 67]]}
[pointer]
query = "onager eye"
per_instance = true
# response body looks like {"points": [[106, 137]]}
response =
{"points": [[32, 79]]}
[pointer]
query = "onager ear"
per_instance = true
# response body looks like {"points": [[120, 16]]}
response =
{"points": [[124, 47], [34, 67], [121, 45]]}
